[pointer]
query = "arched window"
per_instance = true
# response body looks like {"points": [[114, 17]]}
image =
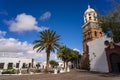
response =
{"points": [[90, 18], [89, 35], [95, 34], [87, 48], [100, 34]]}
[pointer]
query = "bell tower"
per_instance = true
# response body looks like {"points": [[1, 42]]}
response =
{"points": [[90, 31], [91, 28]]}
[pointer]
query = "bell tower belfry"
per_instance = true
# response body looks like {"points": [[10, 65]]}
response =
{"points": [[90, 31]]}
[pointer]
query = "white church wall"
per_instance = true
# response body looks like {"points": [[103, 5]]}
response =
{"points": [[97, 55]]}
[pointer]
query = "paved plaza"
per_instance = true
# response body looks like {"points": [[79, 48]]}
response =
{"points": [[73, 75]]}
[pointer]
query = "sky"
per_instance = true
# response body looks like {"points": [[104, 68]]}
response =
{"points": [[22, 20]]}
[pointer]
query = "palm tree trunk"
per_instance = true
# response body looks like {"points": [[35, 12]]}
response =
{"points": [[74, 64], [77, 63], [47, 63], [66, 66]]}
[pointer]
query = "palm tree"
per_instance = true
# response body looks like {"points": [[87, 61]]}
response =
{"points": [[74, 59], [60, 54], [64, 53], [48, 41], [54, 63]]}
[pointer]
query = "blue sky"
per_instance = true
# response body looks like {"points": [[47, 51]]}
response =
{"points": [[63, 16]]}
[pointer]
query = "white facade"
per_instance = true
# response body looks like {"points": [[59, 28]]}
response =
{"points": [[97, 55], [14, 61], [61, 64], [43, 64]]}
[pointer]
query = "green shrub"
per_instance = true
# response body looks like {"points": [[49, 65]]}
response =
{"points": [[8, 71]]}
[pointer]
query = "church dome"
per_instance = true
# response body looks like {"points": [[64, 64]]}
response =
{"points": [[90, 15], [89, 10]]}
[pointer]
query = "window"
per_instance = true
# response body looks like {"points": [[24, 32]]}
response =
{"points": [[1, 65], [95, 34], [100, 33], [29, 65], [10, 65], [24, 65], [87, 48], [17, 65], [106, 43], [89, 18], [89, 35]]}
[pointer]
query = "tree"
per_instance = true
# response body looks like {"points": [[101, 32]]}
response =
{"points": [[111, 25], [65, 54], [48, 41], [38, 65], [60, 54], [53, 63], [75, 56]]}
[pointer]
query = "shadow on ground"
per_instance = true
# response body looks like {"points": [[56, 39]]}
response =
{"points": [[100, 74]]}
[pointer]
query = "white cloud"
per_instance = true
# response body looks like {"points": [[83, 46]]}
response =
{"points": [[45, 16], [12, 47], [80, 51], [15, 48], [76, 49], [2, 34], [24, 22]]}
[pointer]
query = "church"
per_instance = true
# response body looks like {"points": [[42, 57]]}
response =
{"points": [[100, 54]]}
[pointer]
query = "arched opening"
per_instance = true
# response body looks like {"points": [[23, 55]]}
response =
{"points": [[115, 63], [90, 18], [95, 34], [87, 48], [100, 34]]}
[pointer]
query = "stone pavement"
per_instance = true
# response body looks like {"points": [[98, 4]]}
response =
{"points": [[73, 75]]}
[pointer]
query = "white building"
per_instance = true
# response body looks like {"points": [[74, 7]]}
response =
{"points": [[100, 53], [90, 32], [97, 55], [43, 64], [7, 63]]}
